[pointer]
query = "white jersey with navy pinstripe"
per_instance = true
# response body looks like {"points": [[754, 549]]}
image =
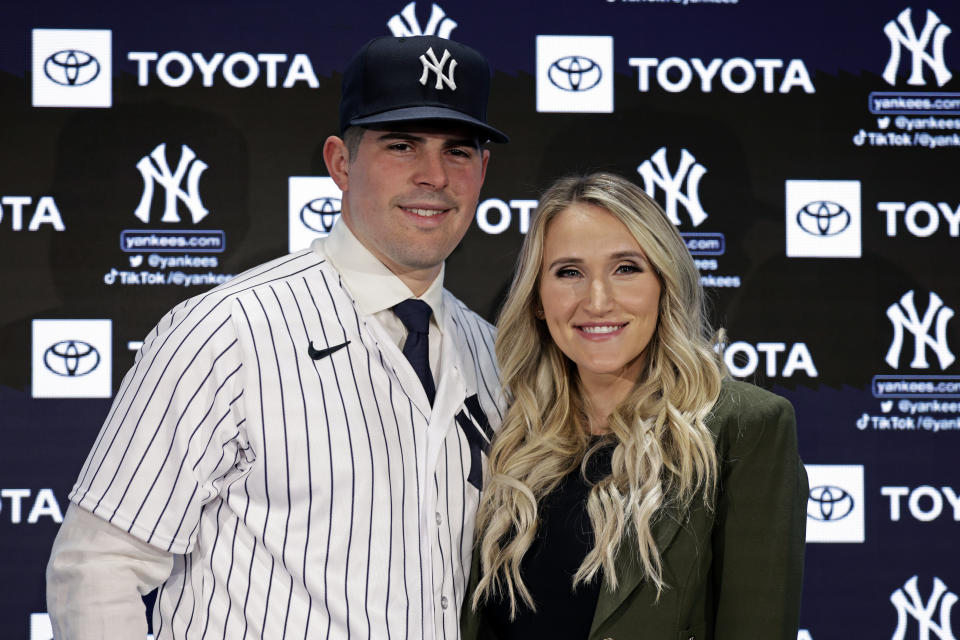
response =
{"points": [[306, 498]]}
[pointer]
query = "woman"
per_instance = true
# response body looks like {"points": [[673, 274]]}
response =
{"points": [[634, 492]]}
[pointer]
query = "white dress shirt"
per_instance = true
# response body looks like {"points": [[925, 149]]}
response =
{"points": [[376, 289]]}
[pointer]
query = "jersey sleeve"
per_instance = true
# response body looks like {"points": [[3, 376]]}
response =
{"points": [[175, 433]]}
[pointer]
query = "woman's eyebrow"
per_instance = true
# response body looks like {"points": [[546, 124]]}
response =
{"points": [[618, 255]]}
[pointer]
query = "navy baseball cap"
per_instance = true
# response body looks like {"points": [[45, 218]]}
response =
{"points": [[417, 78]]}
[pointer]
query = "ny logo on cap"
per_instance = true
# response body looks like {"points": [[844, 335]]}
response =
{"points": [[437, 67]]}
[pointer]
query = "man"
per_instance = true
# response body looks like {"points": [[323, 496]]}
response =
{"points": [[297, 453]]}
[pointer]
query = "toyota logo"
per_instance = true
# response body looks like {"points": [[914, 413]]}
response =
{"points": [[574, 73], [71, 358], [71, 67], [828, 503], [320, 213], [823, 218]]}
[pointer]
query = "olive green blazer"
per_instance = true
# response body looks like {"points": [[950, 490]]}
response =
{"points": [[733, 572]]}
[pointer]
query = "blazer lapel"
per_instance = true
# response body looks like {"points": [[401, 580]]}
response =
{"points": [[629, 569]]}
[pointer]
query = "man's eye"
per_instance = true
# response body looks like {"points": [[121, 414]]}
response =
{"points": [[399, 146], [462, 153]]}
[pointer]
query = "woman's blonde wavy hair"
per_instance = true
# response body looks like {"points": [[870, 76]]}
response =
{"points": [[664, 452]]}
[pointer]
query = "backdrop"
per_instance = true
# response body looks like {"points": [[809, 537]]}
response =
{"points": [[808, 152]]}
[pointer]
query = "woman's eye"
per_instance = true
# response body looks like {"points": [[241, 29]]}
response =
{"points": [[567, 272], [628, 268]]}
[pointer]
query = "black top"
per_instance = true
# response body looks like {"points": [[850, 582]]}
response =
{"points": [[564, 538]]}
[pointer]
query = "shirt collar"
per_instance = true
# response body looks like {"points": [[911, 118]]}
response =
{"points": [[373, 286]]}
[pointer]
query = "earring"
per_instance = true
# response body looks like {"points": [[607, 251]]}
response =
{"points": [[539, 313]]}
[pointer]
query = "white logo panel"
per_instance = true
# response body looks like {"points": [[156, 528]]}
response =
{"points": [[823, 218], [72, 358], [575, 74], [72, 68], [835, 509], [40, 627], [314, 207]]}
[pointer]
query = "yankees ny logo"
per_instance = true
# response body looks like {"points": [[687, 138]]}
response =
{"points": [[437, 67], [904, 315], [905, 35], [158, 171], [689, 170], [923, 613], [405, 23]]}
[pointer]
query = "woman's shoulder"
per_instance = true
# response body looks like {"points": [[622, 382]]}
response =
{"points": [[744, 414], [744, 398]]}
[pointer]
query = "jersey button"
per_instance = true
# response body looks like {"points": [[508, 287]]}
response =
{"points": [[438, 518], [444, 602]]}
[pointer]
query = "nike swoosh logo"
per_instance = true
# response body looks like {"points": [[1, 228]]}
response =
{"points": [[317, 354]]}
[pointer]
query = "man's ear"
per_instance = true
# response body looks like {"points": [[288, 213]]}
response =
{"points": [[337, 158]]}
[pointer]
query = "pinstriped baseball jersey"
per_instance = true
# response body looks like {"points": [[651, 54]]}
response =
{"points": [[309, 493]]}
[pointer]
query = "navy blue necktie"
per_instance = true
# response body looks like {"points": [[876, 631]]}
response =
{"points": [[415, 316]]}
